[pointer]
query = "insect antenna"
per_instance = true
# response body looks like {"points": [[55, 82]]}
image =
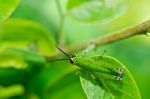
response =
{"points": [[63, 51], [57, 60], [60, 59]]}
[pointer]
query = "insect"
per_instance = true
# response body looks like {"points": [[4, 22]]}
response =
{"points": [[105, 66]]}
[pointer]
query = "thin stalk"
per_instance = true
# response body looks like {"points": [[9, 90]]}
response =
{"points": [[61, 35], [140, 29]]}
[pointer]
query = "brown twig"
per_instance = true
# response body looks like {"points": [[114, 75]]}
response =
{"points": [[131, 31]]}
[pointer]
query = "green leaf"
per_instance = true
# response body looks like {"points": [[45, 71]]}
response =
{"points": [[49, 75], [20, 59], [19, 66], [8, 92], [97, 85], [25, 34], [6, 8], [96, 10], [65, 87], [11, 59]]}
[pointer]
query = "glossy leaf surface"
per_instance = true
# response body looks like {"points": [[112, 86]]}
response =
{"points": [[29, 35], [6, 8], [100, 86], [96, 10]]}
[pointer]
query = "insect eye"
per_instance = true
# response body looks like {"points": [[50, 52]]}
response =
{"points": [[74, 55], [120, 70], [71, 61], [118, 78]]}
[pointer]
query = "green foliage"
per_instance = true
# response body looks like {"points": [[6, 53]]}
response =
{"points": [[57, 82], [9, 59], [98, 85], [95, 10], [11, 91], [67, 84], [19, 59], [30, 36], [137, 63], [19, 64], [6, 8], [24, 43]]}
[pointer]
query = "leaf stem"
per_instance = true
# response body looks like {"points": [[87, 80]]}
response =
{"points": [[62, 21], [142, 28]]}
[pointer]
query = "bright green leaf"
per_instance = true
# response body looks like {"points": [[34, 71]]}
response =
{"points": [[6, 8], [25, 34], [96, 10], [11, 59], [8, 92], [74, 3], [20, 59], [97, 85]]}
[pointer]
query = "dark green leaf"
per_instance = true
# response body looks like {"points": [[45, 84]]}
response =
{"points": [[6, 8], [49, 75], [99, 86], [96, 10], [67, 87], [25, 34], [18, 66]]}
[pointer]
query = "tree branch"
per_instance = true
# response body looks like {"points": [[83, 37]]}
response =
{"points": [[142, 28], [110, 38]]}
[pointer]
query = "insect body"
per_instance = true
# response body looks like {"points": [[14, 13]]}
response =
{"points": [[105, 66]]}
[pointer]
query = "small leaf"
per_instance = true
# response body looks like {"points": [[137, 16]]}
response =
{"points": [[19, 66], [11, 59], [8, 92], [19, 59], [98, 85], [96, 10], [6, 8], [25, 34]]}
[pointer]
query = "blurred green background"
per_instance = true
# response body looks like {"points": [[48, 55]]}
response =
{"points": [[57, 80]]}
